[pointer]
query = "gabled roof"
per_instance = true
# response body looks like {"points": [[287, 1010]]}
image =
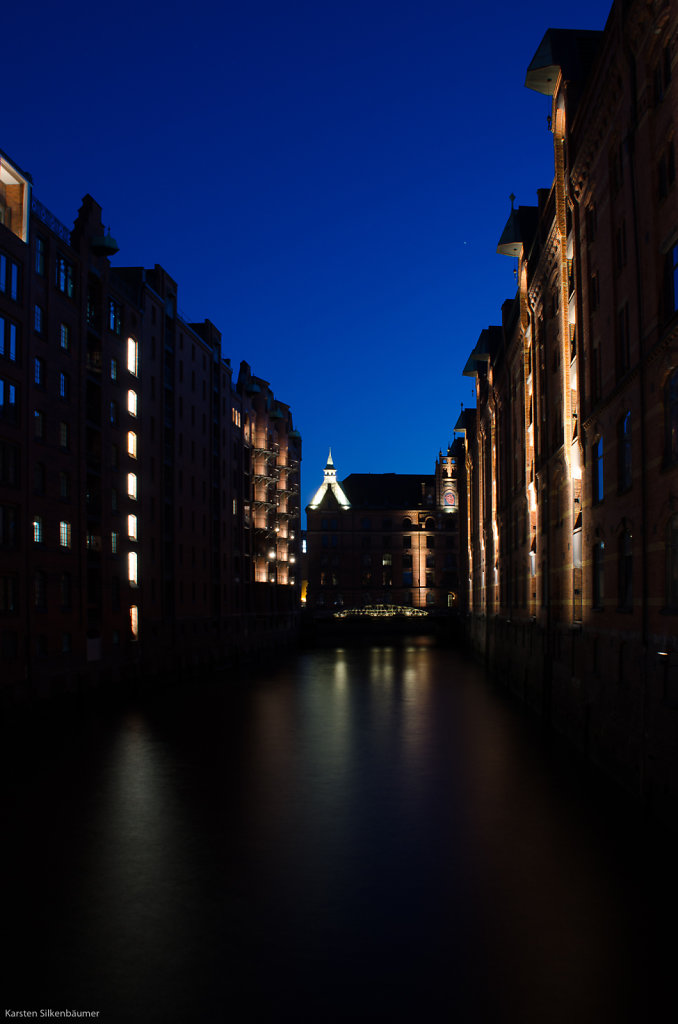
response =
{"points": [[571, 51]]}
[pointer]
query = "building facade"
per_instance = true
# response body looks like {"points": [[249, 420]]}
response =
{"points": [[571, 456], [387, 539], [128, 459]]}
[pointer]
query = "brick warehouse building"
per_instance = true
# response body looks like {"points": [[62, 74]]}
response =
{"points": [[128, 457], [384, 539], [572, 455]]}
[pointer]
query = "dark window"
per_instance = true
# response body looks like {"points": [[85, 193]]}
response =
{"points": [[672, 281], [594, 291], [626, 571], [40, 256], [8, 340], [9, 464], [666, 171], [625, 467], [671, 417], [672, 562], [9, 277], [114, 316], [598, 575], [8, 402], [8, 594], [65, 278], [591, 223], [65, 590], [623, 341], [40, 590], [9, 526], [598, 489], [620, 246]]}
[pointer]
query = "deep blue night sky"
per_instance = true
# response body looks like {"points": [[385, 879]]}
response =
{"points": [[326, 181]]}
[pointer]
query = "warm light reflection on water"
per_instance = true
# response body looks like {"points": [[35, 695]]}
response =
{"points": [[368, 833]]}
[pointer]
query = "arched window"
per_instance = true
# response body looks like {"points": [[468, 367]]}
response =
{"points": [[598, 488], [598, 574], [671, 417], [672, 562], [624, 441]]}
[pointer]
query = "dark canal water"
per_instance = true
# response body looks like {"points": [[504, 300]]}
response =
{"points": [[363, 834]]}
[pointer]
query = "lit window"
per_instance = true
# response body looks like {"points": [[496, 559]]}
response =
{"points": [[64, 337], [37, 530], [64, 534], [114, 369], [38, 373], [132, 527], [37, 319], [113, 412], [132, 486], [131, 444], [132, 403], [133, 568], [114, 542], [133, 356], [134, 621], [63, 385]]}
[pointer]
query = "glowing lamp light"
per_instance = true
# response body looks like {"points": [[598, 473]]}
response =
{"points": [[576, 464]]}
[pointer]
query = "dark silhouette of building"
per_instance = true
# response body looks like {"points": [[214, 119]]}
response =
{"points": [[130, 468]]}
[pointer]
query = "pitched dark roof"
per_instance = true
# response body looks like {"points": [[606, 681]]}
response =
{"points": [[387, 490]]}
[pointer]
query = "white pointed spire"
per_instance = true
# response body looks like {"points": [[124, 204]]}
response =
{"points": [[330, 483]]}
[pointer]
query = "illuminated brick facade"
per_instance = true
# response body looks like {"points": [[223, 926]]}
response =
{"points": [[572, 455], [127, 469], [385, 539]]}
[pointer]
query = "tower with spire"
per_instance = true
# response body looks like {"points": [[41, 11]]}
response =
{"points": [[330, 489]]}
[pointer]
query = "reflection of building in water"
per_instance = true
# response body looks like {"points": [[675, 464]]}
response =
{"points": [[384, 539]]}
